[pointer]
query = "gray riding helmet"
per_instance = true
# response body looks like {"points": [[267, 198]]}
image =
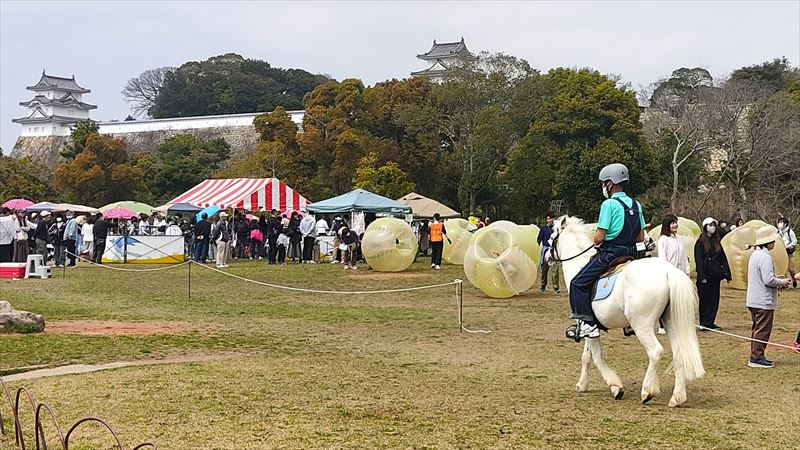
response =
{"points": [[616, 172]]}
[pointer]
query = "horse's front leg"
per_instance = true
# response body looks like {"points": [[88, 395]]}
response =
{"points": [[586, 359], [611, 378]]}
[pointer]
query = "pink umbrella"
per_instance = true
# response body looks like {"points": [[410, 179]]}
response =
{"points": [[119, 213], [18, 203], [250, 217]]}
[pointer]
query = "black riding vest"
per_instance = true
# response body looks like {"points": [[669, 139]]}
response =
{"points": [[631, 226]]}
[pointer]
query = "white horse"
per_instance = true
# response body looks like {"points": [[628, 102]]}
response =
{"points": [[646, 290]]}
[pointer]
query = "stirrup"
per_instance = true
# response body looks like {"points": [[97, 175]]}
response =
{"points": [[572, 333]]}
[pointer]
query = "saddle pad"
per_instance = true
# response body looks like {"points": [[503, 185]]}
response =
{"points": [[605, 286]]}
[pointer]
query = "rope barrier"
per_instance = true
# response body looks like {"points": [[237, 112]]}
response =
{"points": [[745, 337], [323, 291], [156, 269]]}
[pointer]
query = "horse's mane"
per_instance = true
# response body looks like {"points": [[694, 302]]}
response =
{"points": [[575, 229]]}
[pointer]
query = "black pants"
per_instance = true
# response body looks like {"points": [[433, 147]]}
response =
{"points": [[71, 250], [709, 301], [273, 249], [99, 249], [308, 248], [281, 253], [6, 252], [436, 252], [294, 249]]}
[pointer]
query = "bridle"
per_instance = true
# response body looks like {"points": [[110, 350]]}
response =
{"points": [[554, 250]]}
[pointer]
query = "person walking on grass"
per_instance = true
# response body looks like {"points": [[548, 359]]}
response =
{"points": [[222, 238], [711, 266], [762, 294], [544, 268], [437, 234], [790, 242]]}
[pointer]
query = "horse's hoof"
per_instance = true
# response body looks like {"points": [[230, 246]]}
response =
{"points": [[646, 400], [617, 392]]}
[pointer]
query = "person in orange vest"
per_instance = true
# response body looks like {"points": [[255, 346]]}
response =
{"points": [[437, 235]]}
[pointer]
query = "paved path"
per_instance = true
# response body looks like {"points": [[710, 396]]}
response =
{"points": [[87, 368]]}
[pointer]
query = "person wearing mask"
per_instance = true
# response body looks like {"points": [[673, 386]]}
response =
{"points": [[56, 232], [308, 230], [544, 268], [41, 236], [295, 237], [711, 266], [71, 237], [437, 234], [21, 228], [790, 243], [762, 294], [274, 229], [620, 227], [202, 237], [100, 234], [222, 238], [87, 231]]}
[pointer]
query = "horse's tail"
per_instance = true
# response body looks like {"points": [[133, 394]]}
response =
{"points": [[680, 325]]}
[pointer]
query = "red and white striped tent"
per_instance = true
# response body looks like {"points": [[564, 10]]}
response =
{"points": [[244, 193]]}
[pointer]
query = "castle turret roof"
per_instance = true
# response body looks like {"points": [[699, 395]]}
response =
{"points": [[447, 49], [51, 82], [66, 100]]}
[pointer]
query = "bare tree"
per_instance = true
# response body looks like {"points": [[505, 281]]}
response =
{"points": [[757, 137], [684, 129], [141, 92]]}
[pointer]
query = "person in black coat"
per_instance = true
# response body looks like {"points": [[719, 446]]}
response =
{"points": [[274, 228], [293, 231], [712, 267]]}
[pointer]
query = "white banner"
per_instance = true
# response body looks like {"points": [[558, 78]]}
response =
{"points": [[144, 249]]}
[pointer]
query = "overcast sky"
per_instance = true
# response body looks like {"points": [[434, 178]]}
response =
{"points": [[106, 43]]}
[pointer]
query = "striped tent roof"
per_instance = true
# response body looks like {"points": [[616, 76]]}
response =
{"points": [[244, 193]]}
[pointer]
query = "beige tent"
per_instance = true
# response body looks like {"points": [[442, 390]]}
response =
{"points": [[424, 207]]}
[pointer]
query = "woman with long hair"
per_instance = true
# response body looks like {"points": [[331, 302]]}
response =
{"points": [[670, 247], [22, 227], [712, 267]]}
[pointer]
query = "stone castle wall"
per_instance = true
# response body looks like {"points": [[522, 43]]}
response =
{"points": [[146, 135]]}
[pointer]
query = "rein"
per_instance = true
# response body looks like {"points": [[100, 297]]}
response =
{"points": [[554, 251]]}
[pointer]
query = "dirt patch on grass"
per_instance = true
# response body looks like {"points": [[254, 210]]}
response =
{"points": [[388, 276], [114, 327]]}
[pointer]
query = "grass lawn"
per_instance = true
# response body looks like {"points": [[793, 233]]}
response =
{"points": [[378, 371]]}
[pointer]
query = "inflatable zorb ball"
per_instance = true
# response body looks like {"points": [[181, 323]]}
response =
{"points": [[500, 260], [688, 232], [736, 243], [389, 245], [459, 235]]}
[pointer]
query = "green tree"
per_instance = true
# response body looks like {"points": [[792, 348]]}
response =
{"points": [[77, 140], [771, 75], [24, 178], [387, 179], [228, 84], [586, 122], [183, 161], [100, 174]]}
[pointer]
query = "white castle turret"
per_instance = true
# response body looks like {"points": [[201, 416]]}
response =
{"points": [[55, 108], [442, 57]]}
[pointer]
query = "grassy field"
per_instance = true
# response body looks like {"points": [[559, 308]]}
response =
{"points": [[378, 371]]}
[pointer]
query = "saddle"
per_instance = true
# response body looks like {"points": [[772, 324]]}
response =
{"points": [[605, 285]]}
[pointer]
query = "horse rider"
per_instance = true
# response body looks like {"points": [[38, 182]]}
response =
{"points": [[619, 227]]}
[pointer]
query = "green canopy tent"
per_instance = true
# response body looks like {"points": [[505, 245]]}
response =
{"points": [[359, 200]]}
